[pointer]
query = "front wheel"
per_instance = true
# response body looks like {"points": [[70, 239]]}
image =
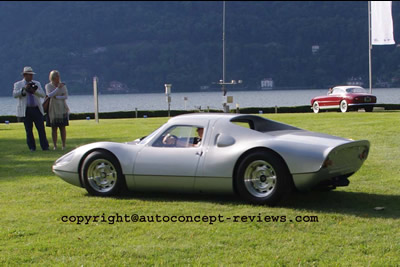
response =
{"points": [[344, 106], [102, 175], [315, 107], [262, 178]]}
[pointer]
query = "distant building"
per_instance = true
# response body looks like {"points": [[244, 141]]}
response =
{"points": [[267, 84], [356, 81], [100, 49], [382, 84], [315, 49], [96, 50], [117, 87], [204, 87], [73, 54]]}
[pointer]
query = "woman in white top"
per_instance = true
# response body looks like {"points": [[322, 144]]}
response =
{"points": [[57, 117]]}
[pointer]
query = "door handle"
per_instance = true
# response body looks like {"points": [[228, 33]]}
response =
{"points": [[199, 153]]}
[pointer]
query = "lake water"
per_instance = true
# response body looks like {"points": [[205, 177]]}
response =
{"points": [[128, 102]]}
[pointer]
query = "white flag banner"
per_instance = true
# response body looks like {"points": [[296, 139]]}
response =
{"points": [[381, 23]]}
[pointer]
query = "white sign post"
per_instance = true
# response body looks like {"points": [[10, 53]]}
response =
{"points": [[168, 95]]}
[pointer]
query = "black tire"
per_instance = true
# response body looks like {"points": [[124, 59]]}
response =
{"points": [[105, 169], [270, 190], [369, 109]]}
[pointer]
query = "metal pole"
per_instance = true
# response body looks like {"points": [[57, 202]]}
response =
{"points": [[223, 56], [96, 99], [223, 46], [168, 96], [369, 47], [185, 100]]}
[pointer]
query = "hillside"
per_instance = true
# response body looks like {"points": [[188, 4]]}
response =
{"points": [[139, 46]]}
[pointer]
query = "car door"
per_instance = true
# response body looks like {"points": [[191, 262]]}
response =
{"points": [[170, 167], [324, 100], [335, 98]]}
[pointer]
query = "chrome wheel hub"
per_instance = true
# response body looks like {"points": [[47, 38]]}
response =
{"points": [[260, 178], [102, 175], [343, 106], [316, 107]]}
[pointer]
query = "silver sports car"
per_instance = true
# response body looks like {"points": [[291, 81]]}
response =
{"points": [[259, 159]]}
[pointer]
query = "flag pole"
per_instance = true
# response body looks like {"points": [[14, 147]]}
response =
{"points": [[369, 46], [223, 49]]}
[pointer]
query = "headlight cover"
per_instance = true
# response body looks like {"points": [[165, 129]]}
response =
{"points": [[65, 159]]}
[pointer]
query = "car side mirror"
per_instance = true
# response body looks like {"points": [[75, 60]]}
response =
{"points": [[223, 140]]}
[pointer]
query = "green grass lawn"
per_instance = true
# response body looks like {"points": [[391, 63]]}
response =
{"points": [[348, 232]]}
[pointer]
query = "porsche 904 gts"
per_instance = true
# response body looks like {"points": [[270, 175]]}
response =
{"points": [[259, 159]]}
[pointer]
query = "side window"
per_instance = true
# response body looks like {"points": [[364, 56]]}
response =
{"points": [[242, 124], [337, 91], [180, 136], [352, 90]]}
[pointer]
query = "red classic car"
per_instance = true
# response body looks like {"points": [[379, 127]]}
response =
{"points": [[344, 98]]}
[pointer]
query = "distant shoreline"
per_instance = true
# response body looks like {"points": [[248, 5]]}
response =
{"points": [[214, 90], [164, 113]]}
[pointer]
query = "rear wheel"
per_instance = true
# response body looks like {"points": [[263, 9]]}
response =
{"points": [[102, 175], [262, 178], [315, 107], [343, 106]]}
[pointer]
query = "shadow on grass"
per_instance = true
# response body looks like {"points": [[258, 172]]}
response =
{"points": [[18, 161], [344, 202], [341, 202]]}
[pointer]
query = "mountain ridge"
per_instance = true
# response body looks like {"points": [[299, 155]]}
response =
{"points": [[140, 46]]}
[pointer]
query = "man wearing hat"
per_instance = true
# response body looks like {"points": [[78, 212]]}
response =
{"points": [[30, 109]]}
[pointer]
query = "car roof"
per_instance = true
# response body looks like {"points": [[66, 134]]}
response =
{"points": [[344, 87], [192, 117]]}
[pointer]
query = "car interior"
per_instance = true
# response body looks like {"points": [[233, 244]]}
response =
{"points": [[179, 136]]}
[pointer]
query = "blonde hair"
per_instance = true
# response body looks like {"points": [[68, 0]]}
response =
{"points": [[54, 73]]}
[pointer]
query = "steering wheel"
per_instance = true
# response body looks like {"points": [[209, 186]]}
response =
{"points": [[170, 140]]}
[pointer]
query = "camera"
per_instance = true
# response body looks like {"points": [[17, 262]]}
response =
{"points": [[33, 86]]}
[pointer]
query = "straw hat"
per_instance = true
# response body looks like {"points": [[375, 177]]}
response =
{"points": [[28, 70]]}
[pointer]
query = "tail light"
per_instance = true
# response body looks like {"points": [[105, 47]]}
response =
{"points": [[327, 163], [364, 154]]}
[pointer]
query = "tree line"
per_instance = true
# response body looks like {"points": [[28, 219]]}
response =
{"points": [[143, 45]]}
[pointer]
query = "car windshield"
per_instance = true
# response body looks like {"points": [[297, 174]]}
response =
{"points": [[356, 90], [144, 140]]}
